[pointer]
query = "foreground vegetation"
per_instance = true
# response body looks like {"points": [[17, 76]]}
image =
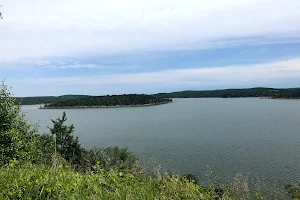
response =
{"points": [[55, 166], [61, 182], [293, 93], [110, 101]]}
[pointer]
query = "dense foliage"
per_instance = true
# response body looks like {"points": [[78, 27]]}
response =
{"points": [[66, 144], [293, 190], [293, 93], [17, 138], [44, 100], [112, 158], [54, 166], [114, 100], [229, 93]]}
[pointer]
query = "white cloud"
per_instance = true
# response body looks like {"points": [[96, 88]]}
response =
{"points": [[34, 28], [42, 63], [215, 76], [87, 66], [76, 66]]}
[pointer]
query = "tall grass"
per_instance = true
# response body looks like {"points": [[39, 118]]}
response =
{"points": [[61, 182]]}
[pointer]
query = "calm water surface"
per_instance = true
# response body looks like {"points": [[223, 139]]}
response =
{"points": [[258, 137]]}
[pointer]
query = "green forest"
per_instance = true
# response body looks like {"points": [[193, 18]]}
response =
{"points": [[291, 93], [44, 99], [113, 100]]}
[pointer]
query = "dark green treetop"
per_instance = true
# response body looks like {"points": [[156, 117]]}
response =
{"points": [[66, 144]]}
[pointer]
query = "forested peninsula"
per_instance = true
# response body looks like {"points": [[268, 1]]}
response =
{"points": [[45, 99], [126, 100]]}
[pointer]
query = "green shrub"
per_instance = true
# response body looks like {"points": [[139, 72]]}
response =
{"points": [[17, 137], [111, 158], [293, 191], [191, 178], [45, 148]]}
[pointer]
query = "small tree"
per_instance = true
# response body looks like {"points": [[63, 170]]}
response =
{"points": [[17, 138], [66, 144]]}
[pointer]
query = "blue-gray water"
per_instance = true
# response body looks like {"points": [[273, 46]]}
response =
{"points": [[258, 137]]}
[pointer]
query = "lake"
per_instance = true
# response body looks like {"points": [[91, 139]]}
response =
{"points": [[255, 137]]}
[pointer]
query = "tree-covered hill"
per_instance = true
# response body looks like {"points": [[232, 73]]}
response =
{"points": [[44, 99], [292, 93], [110, 101]]}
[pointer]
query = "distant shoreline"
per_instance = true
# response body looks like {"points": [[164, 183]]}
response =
{"points": [[259, 92], [117, 106], [279, 98]]}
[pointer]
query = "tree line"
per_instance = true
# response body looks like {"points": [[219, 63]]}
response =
{"points": [[292, 93], [113, 100], [44, 99]]}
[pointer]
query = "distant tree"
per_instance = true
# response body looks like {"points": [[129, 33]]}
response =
{"points": [[66, 144]]}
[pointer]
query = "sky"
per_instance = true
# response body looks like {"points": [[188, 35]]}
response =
{"points": [[97, 47]]}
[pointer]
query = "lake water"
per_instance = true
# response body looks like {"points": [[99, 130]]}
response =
{"points": [[256, 137]]}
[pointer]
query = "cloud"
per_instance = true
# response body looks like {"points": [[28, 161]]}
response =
{"points": [[76, 66], [42, 63], [34, 29], [63, 65], [214, 76]]}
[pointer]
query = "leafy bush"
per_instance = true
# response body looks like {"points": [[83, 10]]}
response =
{"points": [[192, 178], [45, 148], [17, 138], [293, 191], [111, 157]]}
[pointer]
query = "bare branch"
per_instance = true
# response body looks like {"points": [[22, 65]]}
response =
{"points": [[1, 12]]}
